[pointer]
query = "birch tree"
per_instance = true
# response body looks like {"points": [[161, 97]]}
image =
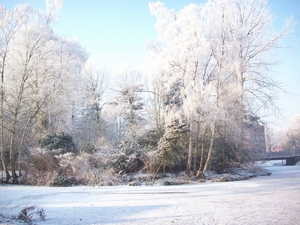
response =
{"points": [[253, 40], [187, 64], [34, 77], [31, 42], [9, 25], [209, 50]]}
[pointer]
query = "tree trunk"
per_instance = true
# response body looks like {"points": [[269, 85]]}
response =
{"points": [[12, 143], [189, 163], [201, 173], [202, 152], [13, 162], [196, 148], [241, 109], [12, 153], [3, 161], [98, 119], [157, 171], [21, 145]]}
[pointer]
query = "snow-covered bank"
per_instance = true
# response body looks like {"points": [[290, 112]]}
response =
{"points": [[263, 200]]}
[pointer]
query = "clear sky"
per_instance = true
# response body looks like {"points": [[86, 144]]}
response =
{"points": [[115, 33]]}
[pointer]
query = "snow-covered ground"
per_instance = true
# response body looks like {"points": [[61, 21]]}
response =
{"points": [[271, 199]]}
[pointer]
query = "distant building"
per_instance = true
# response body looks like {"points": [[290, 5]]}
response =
{"points": [[254, 135], [275, 148]]}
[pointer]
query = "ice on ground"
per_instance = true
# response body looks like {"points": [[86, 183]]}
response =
{"points": [[263, 200]]}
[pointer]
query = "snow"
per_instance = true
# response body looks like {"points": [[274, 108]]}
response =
{"points": [[263, 200], [271, 163]]}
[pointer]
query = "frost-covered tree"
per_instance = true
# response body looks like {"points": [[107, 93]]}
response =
{"points": [[216, 55], [37, 71], [155, 106], [253, 40], [30, 44], [10, 22], [127, 104], [290, 139], [94, 89], [187, 67], [171, 147], [65, 102]]}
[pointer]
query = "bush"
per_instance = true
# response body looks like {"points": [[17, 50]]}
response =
{"points": [[48, 167], [84, 168], [128, 163], [148, 140], [28, 215], [171, 149], [88, 148], [38, 178], [42, 159], [227, 155], [61, 180], [130, 158], [61, 141], [31, 213], [39, 167]]}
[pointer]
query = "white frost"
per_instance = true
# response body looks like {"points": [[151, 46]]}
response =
{"points": [[264, 200]]}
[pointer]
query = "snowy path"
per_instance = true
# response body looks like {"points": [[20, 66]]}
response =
{"points": [[263, 200]]}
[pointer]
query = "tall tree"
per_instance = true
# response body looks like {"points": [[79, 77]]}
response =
{"points": [[31, 42], [187, 66], [253, 39], [38, 68], [216, 53], [155, 106], [128, 102], [95, 85], [9, 24]]}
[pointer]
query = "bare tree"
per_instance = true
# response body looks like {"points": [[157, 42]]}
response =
{"points": [[9, 24], [290, 140], [252, 37], [94, 85], [155, 106]]}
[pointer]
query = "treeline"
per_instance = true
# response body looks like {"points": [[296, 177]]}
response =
{"points": [[209, 82]]}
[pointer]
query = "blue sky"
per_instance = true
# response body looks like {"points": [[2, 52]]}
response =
{"points": [[115, 33]]}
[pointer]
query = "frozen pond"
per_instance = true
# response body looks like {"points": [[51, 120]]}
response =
{"points": [[273, 199]]}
